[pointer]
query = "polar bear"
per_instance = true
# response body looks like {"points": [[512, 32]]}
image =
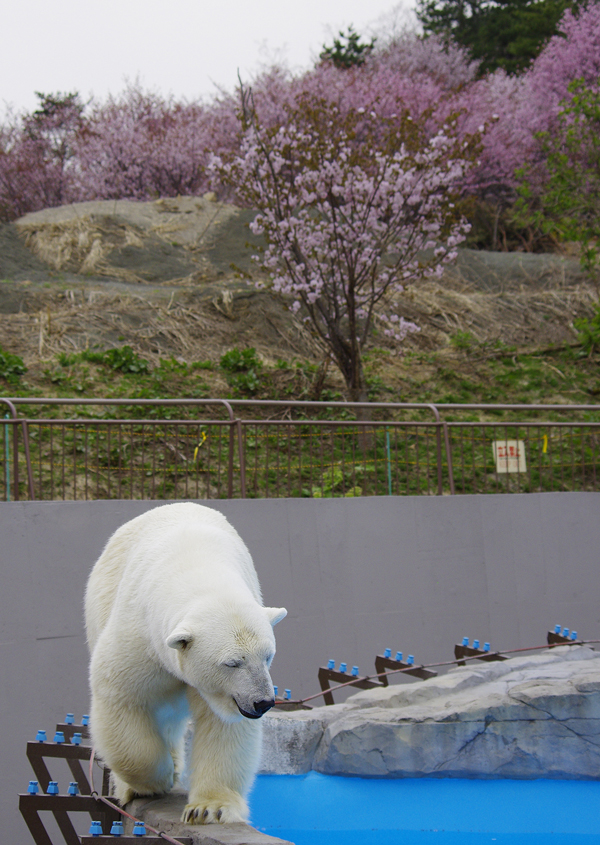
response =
{"points": [[176, 626]]}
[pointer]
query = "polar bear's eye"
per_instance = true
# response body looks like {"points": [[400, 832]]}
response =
{"points": [[233, 664]]}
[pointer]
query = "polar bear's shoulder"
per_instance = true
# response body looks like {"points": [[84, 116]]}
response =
{"points": [[151, 531], [166, 516]]}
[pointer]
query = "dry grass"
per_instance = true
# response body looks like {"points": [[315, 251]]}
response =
{"points": [[155, 326], [194, 311], [531, 317]]}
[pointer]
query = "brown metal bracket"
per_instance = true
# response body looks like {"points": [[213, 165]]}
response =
{"points": [[60, 806], [382, 663], [32, 804], [562, 636], [461, 651], [326, 676]]}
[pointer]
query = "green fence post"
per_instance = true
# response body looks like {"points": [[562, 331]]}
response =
{"points": [[7, 458], [389, 461]]}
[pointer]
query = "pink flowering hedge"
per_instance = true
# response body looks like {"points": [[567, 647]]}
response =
{"points": [[141, 146]]}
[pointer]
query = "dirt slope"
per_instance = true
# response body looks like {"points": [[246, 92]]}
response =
{"points": [[172, 278]]}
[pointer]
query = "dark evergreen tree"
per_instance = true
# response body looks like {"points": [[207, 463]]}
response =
{"points": [[505, 34], [347, 50]]}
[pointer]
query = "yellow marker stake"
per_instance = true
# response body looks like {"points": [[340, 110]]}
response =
{"points": [[202, 442], [545, 446]]}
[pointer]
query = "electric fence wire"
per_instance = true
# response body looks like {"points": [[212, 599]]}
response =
{"points": [[408, 669]]}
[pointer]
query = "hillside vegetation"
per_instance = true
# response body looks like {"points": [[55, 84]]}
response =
{"points": [[170, 286]]}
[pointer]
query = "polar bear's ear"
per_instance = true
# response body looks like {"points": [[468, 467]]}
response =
{"points": [[179, 639], [275, 614]]}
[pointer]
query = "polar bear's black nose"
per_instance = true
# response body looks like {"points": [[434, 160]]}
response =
{"points": [[262, 706]]}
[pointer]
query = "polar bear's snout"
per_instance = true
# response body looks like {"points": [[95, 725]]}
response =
{"points": [[259, 708], [253, 692]]}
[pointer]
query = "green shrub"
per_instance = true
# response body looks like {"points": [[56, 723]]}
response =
{"points": [[240, 360], [243, 367], [125, 359], [91, 355], [589, 332], [11, 367], [121, 358], [465, 341]]}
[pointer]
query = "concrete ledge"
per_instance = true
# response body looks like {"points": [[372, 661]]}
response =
{"points": [[164, 813]]}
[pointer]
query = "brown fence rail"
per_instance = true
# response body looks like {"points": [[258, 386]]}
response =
{"points": [[206, 449]]}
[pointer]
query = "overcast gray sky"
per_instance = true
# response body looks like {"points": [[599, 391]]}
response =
{"points": [[183, 47]]}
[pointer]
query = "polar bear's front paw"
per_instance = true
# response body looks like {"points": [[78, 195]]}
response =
{"points": [[216, 809]]}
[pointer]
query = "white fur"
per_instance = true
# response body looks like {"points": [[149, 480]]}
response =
{"points": [[175, 624]]}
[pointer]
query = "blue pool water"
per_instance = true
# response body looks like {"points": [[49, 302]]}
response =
{"points": [[318, 809]]}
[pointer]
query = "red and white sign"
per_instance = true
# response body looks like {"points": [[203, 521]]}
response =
{"points": [[509, 455]]}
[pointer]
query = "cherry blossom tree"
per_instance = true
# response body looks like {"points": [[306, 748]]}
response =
{"points": [[36, 155], [517, 108], [353, 207], [141, 146], [568, 205]]}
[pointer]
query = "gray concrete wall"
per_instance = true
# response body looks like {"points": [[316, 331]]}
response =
{"points": [[356, 575]]}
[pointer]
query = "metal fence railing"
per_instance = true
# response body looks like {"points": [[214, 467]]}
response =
{"points": [[205, 449]]}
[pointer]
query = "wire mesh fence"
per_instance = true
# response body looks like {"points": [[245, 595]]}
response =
{"points": [[129, 459], [320, 459], [553, 456], [206, 449]]}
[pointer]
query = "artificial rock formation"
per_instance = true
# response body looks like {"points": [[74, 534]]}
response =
{"points": [[527, 717]]}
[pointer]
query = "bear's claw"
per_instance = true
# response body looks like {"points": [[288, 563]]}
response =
{"points": [[210, 814]]}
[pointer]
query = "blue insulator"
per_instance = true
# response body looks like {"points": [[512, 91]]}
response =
{"points": [[565, 632], [33, 787], [410, 659], [40, 736], [59, 737], [398, 657], [387, 652], [486, 646], [76, 738], [117, 829], [70, 719], [331, 664], [52, 788], [465, 641], [573, 635], [287, 694], [275, 689], [85, 720], [343, 667], [73, 788], [475, 643], [355, 671], [557, 629], [96, 829], [139, 829]]}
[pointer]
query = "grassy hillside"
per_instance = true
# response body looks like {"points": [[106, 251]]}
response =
{"points": [[143, 300]]}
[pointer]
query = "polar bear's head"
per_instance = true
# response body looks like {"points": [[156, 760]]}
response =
{"points": [[225, 652]]}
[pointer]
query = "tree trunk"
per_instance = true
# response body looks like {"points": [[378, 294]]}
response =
{"points": [[357, 388], [359, 393], [349, 360]]}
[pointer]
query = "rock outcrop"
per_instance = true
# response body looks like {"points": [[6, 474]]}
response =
{"points": [[527, 717]]}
